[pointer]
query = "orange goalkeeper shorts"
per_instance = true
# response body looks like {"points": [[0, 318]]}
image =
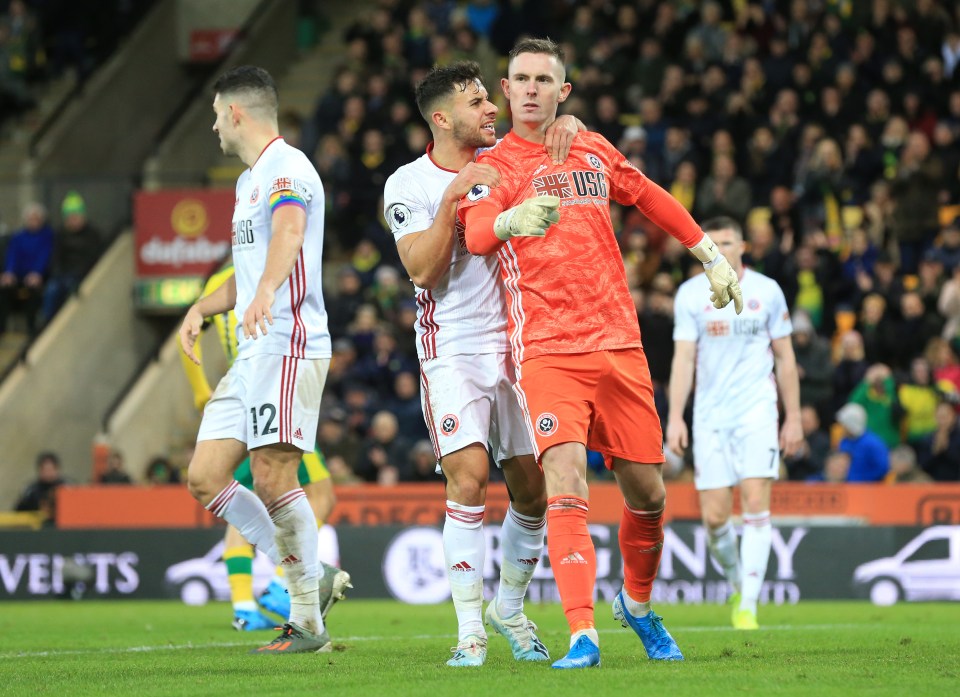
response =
{"points": [[602, 399]]}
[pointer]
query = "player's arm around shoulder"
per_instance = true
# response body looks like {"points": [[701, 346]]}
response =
{"points": [[426, 253]]}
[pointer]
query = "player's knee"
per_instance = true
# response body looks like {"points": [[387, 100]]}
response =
{"points": [[529, 502], [466, 490], [199, 486], [714, 519]]}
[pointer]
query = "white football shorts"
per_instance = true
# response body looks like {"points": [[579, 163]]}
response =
{"points": [[723, 457], [267, 399], [469, 399]]}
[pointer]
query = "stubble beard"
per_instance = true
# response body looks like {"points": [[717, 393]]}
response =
{"points": [[470, 137]]}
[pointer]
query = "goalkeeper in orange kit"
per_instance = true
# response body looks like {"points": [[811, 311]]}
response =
{"points": [[582, 377], [313, 476]]}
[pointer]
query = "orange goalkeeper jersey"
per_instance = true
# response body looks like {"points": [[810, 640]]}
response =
{"points": [[568, 292]]}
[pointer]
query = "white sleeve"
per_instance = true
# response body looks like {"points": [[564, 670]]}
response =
{"points": [[404, 205], [685, 327], [779, 324]]}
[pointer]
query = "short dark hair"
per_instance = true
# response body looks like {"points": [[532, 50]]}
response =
{"points": [[441, 81], [548, 46], [255, 83], [48, 456], [722, 222]]}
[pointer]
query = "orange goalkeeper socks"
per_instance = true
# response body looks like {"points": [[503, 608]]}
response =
{"points": [[572, 558], [641, 544]]}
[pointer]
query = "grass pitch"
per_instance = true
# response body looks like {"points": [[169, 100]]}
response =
{"points": [[385, 648]]}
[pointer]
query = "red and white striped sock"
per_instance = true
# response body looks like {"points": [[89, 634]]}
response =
{"points": [[296, 542], [521, 542], [245, 511], [464, 545]]}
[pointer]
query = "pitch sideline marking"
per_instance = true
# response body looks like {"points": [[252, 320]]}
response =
{"points": [[419, 637]]}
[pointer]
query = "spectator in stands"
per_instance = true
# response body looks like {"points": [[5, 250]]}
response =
{"points": [[836, 469], [723, 192], [423, 464], [930, 281], [115, 472], [939, 453], [915, 190], [877, 394], [904, 469], [869, 456], [947, 251], [809, 461], [161, 471], [877, 329], [14, 96], [384, 452], [918, 396], [405, 404], [40, 493], [335, 440], [346, 300], [913, 330], [359, 403], [764, 255], [26, 268], [943, 359], [948, 305], [76, 247], [813, 364]]}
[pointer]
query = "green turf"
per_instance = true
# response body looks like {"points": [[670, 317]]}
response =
{"points": [[384, 648]]}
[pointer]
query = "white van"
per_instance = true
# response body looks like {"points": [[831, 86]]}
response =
{"points": [[927, 568]]}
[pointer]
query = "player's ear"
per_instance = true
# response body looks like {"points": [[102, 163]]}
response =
{"points": [[441, 120], [505, 86], [564, 92]]}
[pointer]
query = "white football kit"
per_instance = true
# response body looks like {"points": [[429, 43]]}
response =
{"points": [[735, 415], [466, 374], [272, 392]]}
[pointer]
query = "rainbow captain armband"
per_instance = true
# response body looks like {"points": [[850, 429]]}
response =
{"points": [[283, 192]]}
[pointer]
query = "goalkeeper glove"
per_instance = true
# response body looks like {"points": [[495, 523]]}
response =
{"points": [[528, 219], [723, 279]]}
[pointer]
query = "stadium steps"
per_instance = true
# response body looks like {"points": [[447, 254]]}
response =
{"points": [[15, 140], [56, 397]]}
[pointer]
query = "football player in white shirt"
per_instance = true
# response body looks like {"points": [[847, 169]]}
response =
{"points": [[268, 401], [466, 372], [739, 362]]}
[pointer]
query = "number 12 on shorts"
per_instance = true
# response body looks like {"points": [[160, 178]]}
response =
{"points": [[270, 412]]}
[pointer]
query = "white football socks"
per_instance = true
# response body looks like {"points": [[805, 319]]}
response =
{"points": [[244, 510], [521, 544], [723, 545], [463, 549], [296, 543], [755, 553]]}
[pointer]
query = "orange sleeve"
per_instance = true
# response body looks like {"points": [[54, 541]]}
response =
{"points": [[478, 231], [630, 187], [667, 213]]}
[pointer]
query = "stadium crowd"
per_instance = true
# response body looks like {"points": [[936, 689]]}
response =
{"points": [[829, 128]]}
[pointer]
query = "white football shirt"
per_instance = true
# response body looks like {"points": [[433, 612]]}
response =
{"points": [[281, 176], [465, 313], [734, 371]]}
